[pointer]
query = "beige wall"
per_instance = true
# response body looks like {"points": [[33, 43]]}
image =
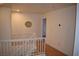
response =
{"points": [[5, 26], [18, 25], [61, 38]]}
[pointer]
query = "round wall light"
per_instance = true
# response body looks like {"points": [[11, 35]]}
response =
{"points": [[28, 24]]}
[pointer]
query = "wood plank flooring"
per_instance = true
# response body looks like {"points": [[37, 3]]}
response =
{"points": [[50, 51]]}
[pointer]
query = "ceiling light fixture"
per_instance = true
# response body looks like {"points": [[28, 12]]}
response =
{"points": [[18, 10]]}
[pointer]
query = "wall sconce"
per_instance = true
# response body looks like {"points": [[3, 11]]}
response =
{"points": [[59, 25]]}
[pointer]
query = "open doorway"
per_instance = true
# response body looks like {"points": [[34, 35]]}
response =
{"points": [[44, 27]]}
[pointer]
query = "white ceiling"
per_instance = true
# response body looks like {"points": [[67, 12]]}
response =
{"points": [[38, 7]]}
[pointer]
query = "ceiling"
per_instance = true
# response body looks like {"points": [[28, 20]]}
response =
{"points": [[37, 7]]}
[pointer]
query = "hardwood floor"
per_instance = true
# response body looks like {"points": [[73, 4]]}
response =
{"points": [[53, 52]]}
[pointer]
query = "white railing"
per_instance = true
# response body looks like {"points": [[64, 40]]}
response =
{"points": [[22, 47]]}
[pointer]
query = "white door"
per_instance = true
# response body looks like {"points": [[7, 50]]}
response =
{"points": [[76, 45]]}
